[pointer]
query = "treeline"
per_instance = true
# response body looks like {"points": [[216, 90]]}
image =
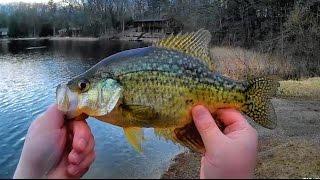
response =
{"points": [[285, 27]]}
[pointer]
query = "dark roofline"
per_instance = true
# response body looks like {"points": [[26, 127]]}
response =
{"points": [[151, 20], [7, 29]]}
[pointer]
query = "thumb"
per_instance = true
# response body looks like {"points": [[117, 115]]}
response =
{"points": [[208, 129], [52, 118]]}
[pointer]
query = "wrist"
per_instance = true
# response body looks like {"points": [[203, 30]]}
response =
{"points": [[26, 171], [226, 175], [225, 171], [23, 172]]}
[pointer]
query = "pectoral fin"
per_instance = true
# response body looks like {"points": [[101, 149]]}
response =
{"points": [[141, 112], [134, 136]]}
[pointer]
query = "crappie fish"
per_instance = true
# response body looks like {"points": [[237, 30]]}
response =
{"points": [[157, 86]]}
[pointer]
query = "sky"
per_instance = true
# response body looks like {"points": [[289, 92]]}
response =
{"points": [[28, 1]]}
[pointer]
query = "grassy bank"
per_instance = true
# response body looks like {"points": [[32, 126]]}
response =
{"points": [[279, 158], [306, 88], [240, 64]]}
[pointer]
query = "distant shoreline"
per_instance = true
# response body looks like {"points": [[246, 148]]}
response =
{"points": [[49, 38], [147, 40]]}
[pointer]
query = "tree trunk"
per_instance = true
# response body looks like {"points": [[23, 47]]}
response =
{"points": [[122, 25], [34, 30]]}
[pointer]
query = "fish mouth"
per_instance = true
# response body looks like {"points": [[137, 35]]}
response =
{"points": [[67, 101]]}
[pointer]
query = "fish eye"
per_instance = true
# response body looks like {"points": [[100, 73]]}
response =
{"points": [[83, 85]]}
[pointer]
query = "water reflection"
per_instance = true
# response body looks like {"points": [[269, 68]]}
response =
{"points": [[27, 87]]}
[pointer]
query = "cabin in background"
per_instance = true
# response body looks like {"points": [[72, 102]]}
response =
{"points": [[75, 31], [163, 25], [71, 32], [63, 32], [4, 32]]}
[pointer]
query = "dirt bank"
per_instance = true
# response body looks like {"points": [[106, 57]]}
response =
{"points": [[289, 151]]}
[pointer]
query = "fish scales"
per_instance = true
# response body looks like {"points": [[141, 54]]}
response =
{"points": [[164, 90]]}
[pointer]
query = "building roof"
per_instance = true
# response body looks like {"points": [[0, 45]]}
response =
{"points": [[75, 29], [152, 20], [4, 29]]}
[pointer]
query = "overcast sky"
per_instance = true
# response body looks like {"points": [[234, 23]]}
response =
{"points": [[29, 1]]}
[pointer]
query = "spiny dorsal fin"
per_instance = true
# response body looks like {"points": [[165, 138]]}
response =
{"points": [[135, 136], [195, 44]]}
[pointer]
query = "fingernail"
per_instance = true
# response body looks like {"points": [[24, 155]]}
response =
{"points": [[198, 112], [82, 144], [75, 157], [73, 170], [202, 117]]}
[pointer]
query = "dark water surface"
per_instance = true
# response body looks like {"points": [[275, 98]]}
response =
{"points": [[27, 86]]}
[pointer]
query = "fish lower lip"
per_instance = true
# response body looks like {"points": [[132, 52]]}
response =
{"points": [[62, 98], [67, 101]]}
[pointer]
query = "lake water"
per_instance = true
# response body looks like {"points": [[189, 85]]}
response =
{"points": [[28, 79]]}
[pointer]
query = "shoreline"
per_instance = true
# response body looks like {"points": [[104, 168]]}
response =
{"points": [[146, 40], [282, 161], [50, 38], [289, 151]]}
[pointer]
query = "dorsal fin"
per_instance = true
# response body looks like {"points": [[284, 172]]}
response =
{"points": [[195, 44]]}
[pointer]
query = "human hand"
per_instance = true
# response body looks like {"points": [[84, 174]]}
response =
{"points": [[231, 153], [55, 148]]}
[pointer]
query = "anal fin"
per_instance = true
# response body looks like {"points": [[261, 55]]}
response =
{"points": [[187, 136], [190, 137]]}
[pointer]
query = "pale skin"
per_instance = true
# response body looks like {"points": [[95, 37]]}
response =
{"points": [[70, 146], [231, 153], [56, 148]]}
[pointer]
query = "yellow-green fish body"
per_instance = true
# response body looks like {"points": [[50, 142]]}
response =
{"points": [[157, 87], [169, 85]]}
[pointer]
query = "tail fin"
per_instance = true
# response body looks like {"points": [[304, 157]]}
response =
{"points": [[258, 105]]}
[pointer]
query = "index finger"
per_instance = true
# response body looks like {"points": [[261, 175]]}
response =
{"points": [[81, 134]]}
